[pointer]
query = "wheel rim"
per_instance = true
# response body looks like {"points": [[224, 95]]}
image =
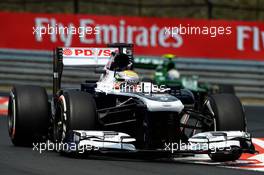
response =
{"points": [[60, 122], [12, 116], [209, 109], [58, 127]]}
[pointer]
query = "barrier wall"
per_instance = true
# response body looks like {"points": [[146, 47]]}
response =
{"points": [[35, 67]]}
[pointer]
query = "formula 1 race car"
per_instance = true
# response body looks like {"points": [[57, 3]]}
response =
{"points": [[121, 113]]}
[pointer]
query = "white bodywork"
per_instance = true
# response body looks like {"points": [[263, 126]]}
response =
{"points": [[154, 102], [100, 140], [208, 141], [76, 56], [105, 140], [217, 140]]}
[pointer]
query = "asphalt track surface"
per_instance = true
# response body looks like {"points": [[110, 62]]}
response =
{"points": [[24, 161]]}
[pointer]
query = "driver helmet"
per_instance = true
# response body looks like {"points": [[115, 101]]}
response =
{"points": [[173, 74], [170, 64], [127, 76], [169, 56]]}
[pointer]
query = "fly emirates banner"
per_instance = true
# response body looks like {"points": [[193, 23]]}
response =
{"points": [[151, 36]]}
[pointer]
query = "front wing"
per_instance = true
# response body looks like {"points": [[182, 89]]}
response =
{"points": [[202, 143]]}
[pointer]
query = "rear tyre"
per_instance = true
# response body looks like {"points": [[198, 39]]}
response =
{"points": [[76, 111], [229, 116], [28, 115]]}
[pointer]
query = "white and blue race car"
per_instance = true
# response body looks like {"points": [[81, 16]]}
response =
{"points": [[120, 113]]}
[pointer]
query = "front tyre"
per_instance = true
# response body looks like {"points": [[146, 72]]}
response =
{"points": [[76, 110], [229, 116]]}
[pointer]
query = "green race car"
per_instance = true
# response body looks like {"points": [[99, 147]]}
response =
{"points": [[167, 74]]}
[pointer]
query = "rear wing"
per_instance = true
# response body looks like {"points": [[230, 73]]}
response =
{"points": [[86, 56], [77, 56]]}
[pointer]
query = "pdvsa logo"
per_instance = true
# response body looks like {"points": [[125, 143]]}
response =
{"points": [[67, 52], [88, 52]]}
